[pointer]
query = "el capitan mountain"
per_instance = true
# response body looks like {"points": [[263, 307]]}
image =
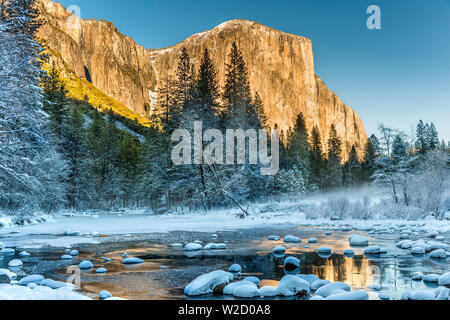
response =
{"points": [[280, 66]]}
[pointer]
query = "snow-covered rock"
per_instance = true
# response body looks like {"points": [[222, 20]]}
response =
{"points": [[6, 272], [324, 250], [417, 276], [24, 254], [1, 245], [268, 291], [215, 246], [355, 295], [418, 250], [206, 283], [101, 271], [54, 284], [431, 278], [177, 246], [229, 289], [254, 280], [31, 279], [235, 268], [349, 253], [312, 240], [274, 238], [311, 278], [444, 280], [246, 291], [291, 263], [74, 253], [193, 247], [6, 222], [7, 252], [103, 295], [66, 257], [372, 250], [292, 286], [433, 234], [418, 295], [331, 288], [438, 254], [405, 244], [442, 294], [132, 261], [14, 292], [358, 241], [279, 250], [317, 298], [86, 265], [15, 263], [433, 245], [292, 239], [319, 284]]}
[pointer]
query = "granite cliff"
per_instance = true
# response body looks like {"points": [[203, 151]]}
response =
{"points": [[280, 65]]}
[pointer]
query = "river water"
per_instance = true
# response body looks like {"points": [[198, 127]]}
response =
{"points": [[166, 271]]}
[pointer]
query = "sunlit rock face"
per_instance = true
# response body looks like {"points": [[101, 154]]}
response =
{"points": [[98, 52], [280, 65]]}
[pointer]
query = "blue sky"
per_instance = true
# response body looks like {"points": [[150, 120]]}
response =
{"points": [[397, 75]]}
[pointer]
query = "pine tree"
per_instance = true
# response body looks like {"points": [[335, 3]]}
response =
{"points": [[103, 153], [317, 158], [206, 107], [376, 145], [352, 173], [432, 137], [154, 168], [334, 168], [183, 86], [238, 109], [421, 138], [207, 91], [166, 114], [399, 149], [298, 147], [259, 108], [129, 167], [368, 165], [56, 104], [75, 154]]}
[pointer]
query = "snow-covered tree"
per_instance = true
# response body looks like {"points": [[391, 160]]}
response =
{"points": [[29, 165], [431, 181], [290, 182]]}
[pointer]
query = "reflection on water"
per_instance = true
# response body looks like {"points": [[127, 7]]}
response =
{"points": [[166, 271]]}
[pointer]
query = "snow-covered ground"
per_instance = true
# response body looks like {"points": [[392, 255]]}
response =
{"points": [[67, 229]]}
